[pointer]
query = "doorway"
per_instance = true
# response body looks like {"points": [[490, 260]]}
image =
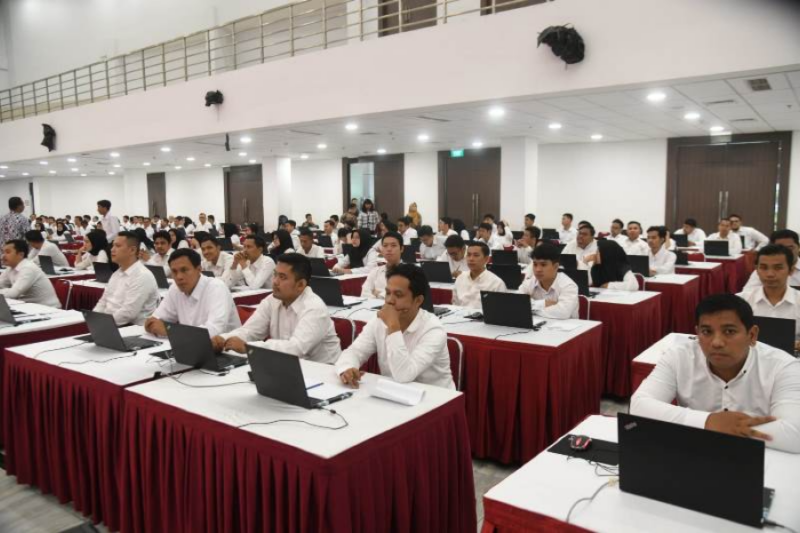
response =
{"points": [[157, 194], [387, 173], [469, 186], [244, 195]]}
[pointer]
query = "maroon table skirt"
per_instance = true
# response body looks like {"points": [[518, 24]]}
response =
{"points": [[61, 285], [678, 303], [735, 273], [639, 372], [253, 299], [711, 281], [503, 518], [182, 472], [352, 286], [84, 297], [70, 245], [441, 296]]}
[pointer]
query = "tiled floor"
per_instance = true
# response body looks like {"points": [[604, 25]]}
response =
{"points": [[26, 509]]}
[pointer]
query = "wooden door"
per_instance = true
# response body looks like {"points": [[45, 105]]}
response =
{"points": [[244, 195], [389, 183], [157, 194], [469, 186], [749, 186], [416, 14], [701, 173]]}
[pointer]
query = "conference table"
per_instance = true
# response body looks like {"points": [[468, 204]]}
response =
{"points": [[680, 296], [538, 496], [645, 362], [351, 283], [712, 276], [735, 268]]}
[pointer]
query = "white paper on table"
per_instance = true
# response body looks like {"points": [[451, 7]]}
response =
{"points": [[326, 391], [311, 383], [561, 326], [398, 392]]}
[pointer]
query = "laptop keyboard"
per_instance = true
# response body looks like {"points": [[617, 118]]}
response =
{"points": [[224, 360], [138, 343]]}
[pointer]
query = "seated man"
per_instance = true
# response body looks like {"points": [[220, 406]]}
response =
{"points": [[583, 247], [554, 294], [392, 249], [430, 247], [662, 261], [132, 293], [163, 249], [329, 230], [467, 288], [725, 380], [294, 233], [203, 224], [485, 235], [445, 230], [725, 234], [567, 233], [404, 228], [410, 342], [525, 246], [194, 299], [215, 260], [616, 230], [753, 239], [251, 268], [632, 242], [774, 297], [293, 317], [22, 279], [39, 246], [307, 246], [455, 255], [694, 235], [789, 239]]}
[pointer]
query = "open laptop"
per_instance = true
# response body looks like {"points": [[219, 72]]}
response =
{"points": [[208, 274], [102, 272], [409, 255], [319, 268], [681, 258], [103, 332], [68, 237], [278, 375], [706, 471], [437, 271], [640, 264], [46, 262], [160, 275], [324, 241], [226, 244], [507, 309], [776, 332], [681, 240], [9, 316], [415, 242], [549, 234], [717, 248], [330, 290], [191, 346], [517, 235], [510, 274], [568, 261], [581, 279], [503, 257]]}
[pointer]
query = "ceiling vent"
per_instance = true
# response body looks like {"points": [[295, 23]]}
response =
{"points": [[742, 120], [301, 132], [720, 102], [759, 84], [432, 119]]}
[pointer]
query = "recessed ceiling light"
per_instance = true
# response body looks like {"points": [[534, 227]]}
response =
{"points": [[74, 169], [111, 172], [692, 115], [52, 172], [117, 166], [84, 175], [166, 149], [114, 154], [145, 164], [178, 167], [303, 156], [423, 137], [656, 97], [242, 154], [497, 112], [25, 174], [44, 163], [596, 137], [381, 151], [207, 165], [69, 160], [245, 140], [2, 176], [190, 158], [322, 146], [4, 167], [252, 161], [554, 126], [351, 126], [716, 129], [477, 144]]}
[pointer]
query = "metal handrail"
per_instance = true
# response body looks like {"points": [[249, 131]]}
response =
{"points": [[283, 31]]}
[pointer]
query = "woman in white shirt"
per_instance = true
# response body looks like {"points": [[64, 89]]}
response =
{"points": [[177, 238], [610, 268], [461, 229], [504, 234], [281, 244], [356, 260], [60, 234], [94, 250]]}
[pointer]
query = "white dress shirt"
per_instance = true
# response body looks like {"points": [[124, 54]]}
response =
{"points": [[495, 242], [303, 329], [370, 263], [697, 236], [334, 237], [110, 226], [563, 289], [439, 238], [222, 268], [315, 252], [628, 283], [375, 284], [455, 266], [89, 259], [572, 248], [162, 261], [663, 262], [755, 281], [131, 295], [634, 247], [210, 306], [417, 354], [256, 275], [430, 253], [28, 283], [787, 307], [200, 226], [567, 235], [409, 234], [753, 239], [51, 250], [467, 291], [768, 385], [735, 246], [524, 255]]}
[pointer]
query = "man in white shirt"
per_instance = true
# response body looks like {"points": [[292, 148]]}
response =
{"points": [[694, 235], [753, 239], [662, 261], [203, 224], [39, 246], [194, 299], [132, 293], [215, 260], [445, 230], [455, 255], [294, 233], [22, 279], [725, 234], [307, 246], [110, 222], [789, 239], [775, 298], [725, 380], [530, 221], [467, 288], [163, 249], [554, 294], [632, 242], [583, 247], [410, 342], [567, 233], [431, 248], [616, 230], [485, 235], [251, 268], [525, 246], [405, 229], [293, 317], [329, 230], [392, 250]]}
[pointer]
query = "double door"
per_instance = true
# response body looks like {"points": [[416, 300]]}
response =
{"points": [[244, 195], [469, 186]]}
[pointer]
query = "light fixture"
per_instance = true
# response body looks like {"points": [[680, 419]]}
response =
{"points": [[554, 126], [44, 163], [4, 167], [477, 144], [423, 137], [25, 174], [322, 146], [145, 164], [190, 158], [178, 167], [303, 156], [69, 160], [166, 149], [84, 175], [111, 172], [692, 115], [74, 169], [252, 162], [381, 151], [716, 129], [245, 140], [497, 112], [351, 126], [207, 165], [597, 137], [242, 154], [656, 96], [117, 166], [52, 172], [2, 176], [114, 154]]}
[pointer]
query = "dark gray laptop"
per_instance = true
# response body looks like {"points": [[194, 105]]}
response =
{"points": [[103, 332], [160, 275], [437, 271], [191, 346], [581, 279], [10, 316], [549, 234], [330, 290], [507, 309], [505, 257], [681, 240], [640, 264], [46, 263], [510, 274], [102, 272], [324, 241], [319, 268], [278, 375], [568, 261], [776, 332], [409, 255], [717, 248]]}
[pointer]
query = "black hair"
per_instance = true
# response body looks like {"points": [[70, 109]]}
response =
{"points": [[568, 215], [530, 216], [284, 243], [98, 240], [662, 231], [331, 222], [342, 232], [405, 220], [308, 215], [305, 232], [634, 222], [335, 218], [734, 216], [19, 245], [130, 236], [364, 203], [482, 245], [454, 241], [301, 266], [188, 221], [392, 235], [390, 226], [501, 225], [547, 252], [784, 234], [14, 202], [359, 253], [161, 234], [535, 232], [206, 237], [257, 240], [292, 222], [716, 303], [458, 225], [194, 257], [417, 280], [613, 263], [104, 203], [486, 226], [588, 226], [180, 235], [488, 215], [776, 249], [229, 229], [424, 231], [34, 236], [690, 222], [447, 220], [253, 228], [618, 221]]}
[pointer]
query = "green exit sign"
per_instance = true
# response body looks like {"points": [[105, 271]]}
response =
{"points": [[456, 153]]}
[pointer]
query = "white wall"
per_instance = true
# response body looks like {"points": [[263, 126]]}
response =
{"points": [[793, 214], [5, 78], [10, 188], [135, 187], [599, 182], [194, 191], [60, 195], [422, 185], [316, 189]]}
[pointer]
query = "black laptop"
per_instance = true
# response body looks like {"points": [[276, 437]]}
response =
{"points": [[102, 272], [507, 309], [160, 275], [717, 248], [510, 274], [681, 240], [568, 261], [324, 241], [191, 346], [319, 268], [581, 279], [706, 471], [409, 255], [278, 375], [776, 332], [640, 264], [103, 332], [68, 237], [549, 234], [9, 316], [437, 271], [503, 257], [46, 263], [208, 274], [330, 290], [415, 242], [226, 244], [517, 235], [681, 258]]}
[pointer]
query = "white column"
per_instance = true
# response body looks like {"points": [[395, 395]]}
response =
{"points": [[134, 183], [519, 177], [276, 178], [421, 185]]}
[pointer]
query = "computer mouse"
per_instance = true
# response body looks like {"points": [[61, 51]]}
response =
{"points": [[579, 443]]}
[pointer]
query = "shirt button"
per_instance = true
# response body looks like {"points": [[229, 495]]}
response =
{"points": [[726, 409], [726, 387]]}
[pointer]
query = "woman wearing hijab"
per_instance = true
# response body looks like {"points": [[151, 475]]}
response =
{"points": [[145, 242], [60, 234], [360, 256], [413, 214], [177, 238], [94, 250], [281, 244], [610, 268]]}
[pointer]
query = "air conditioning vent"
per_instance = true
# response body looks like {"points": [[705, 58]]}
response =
{"points": [[720, 102], [300, 132], [432, 119], [742, 120], [759, 84]]}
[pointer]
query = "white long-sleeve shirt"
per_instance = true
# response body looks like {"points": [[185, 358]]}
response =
{"points": [[467, 291], [431, 253], [375, 284], [567, 235], [633, 247], [315, 252], [455, 266], [88, 259], [417, 354], [370, 262], [697, 236], [210, 306], [303, 329], [162, 261], [28, 283], [788, 307], [221, 269], [524, 255], [409, 234], [51, 250], [768, 385], [563, 289], [572, 248], [130, 296], [663, 262], [755, 281], [111, 226], [753, 239], [735, 242], [256, 275], [628, 283]]}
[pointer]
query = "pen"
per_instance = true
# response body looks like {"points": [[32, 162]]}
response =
{"points": [[314, 386]]}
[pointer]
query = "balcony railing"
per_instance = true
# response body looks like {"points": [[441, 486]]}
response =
{"points": [[284, 31]]}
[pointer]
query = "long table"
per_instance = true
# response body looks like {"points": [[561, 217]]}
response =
{"points": [[712, 276], [680, 296], [645, 362], [735, 268]]}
